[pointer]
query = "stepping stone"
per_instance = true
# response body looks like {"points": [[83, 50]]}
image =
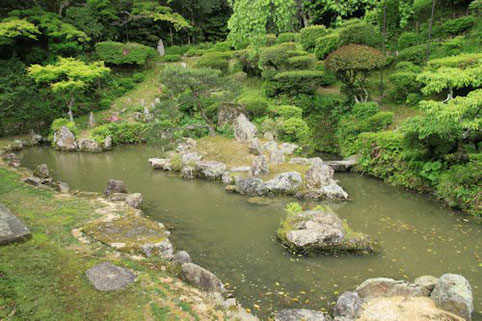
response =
{"points": [[11, 229], [108, 277]]}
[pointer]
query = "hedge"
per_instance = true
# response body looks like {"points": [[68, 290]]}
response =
{"points": [[326, 45], [118, 53], [308, 36], [297, 82]]}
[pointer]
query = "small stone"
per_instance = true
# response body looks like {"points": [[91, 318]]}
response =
{"points": [[201, 278], [259, 167], [118, 197], [62, 187], [182, 257], [89, 146], [161, 163], [108, 277], [386, 287], [187, 172], [42, 171], [134, 200], [211, 170], [164, 249], [227, 178], [115, 186], [107, 143], [254, 147], [258, 200], [230, 188], [348, 305], [32, 180]]}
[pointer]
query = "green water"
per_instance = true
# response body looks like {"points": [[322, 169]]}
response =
{"points": [[236, 240]]}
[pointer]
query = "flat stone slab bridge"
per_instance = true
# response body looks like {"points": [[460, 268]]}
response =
{"points": [[11, 228]]}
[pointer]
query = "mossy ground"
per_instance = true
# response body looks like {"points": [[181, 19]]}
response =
{"points": [[43, 278]]}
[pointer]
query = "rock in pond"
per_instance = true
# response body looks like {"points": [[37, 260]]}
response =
{"points": [[249, 186], [210, 170], [322, 231], [453, 293], [160, 163], [89, 146], [348, 305], [163, 249], [62, 187], [260, 200], [201, 278], [386, 287], [41, 171], [319, 179], [427, 282], [32, 180], [134, 200], [11, 228], [16, 145], [285, 184], [109, 277], [244, 130], [115, 186], [12, 159], [300, 315], [64, 140], [182, 257]]}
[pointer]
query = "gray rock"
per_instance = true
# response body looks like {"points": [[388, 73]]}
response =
{"points": [[41, 171], [334, 191], [427, 282], [227, 178], [453, 293], [259, 167], [211, 170], [187, 172], [115, 186], [318, 176], [343, 165], [160, 48], [275, 155], [182, 257], [288, 148], [386, 287], [108, 277], [32, 180], [240, 169], [348, 305], [62, 187], [64, 140], [186, 145], [244, 130], [249, 186], [163, 249], [161, 163], [269, 136], [190, 158], [299, 161], [107, 143], [12, 159], [284, 183], [118, 197], [134, 200], [16, 145], [89, 145], [201, 278], [254, 147], [300, 315], [227, 115], [230, 188], [11, 228]]}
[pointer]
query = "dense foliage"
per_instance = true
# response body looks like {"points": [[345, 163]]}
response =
{"points": [[119, 53]]}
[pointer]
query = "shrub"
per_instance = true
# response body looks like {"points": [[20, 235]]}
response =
{"points": [[452, 47], [352, 65], [405, 82], [194, 52], [297, 82], [407, 66], [461, 186], [239, 76], [121, 133], [365, 110], [458, 25], [407, 39], [138, 77], [415, 54], [249, 60], [301, 62], [294, 130], [287, 111], [171, 58], [270, 39], [308, 36], [214, 60], [255, 105], [177, 50], [360, 34], [276, 57], [105, 103], [60, 122], [222, 46], [326, 45], [286, 37], [118, 53]]}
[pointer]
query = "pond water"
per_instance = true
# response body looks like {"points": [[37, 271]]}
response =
{"points": [[236, 240]]}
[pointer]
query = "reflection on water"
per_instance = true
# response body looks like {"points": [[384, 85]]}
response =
{"points": [[236, 240]]}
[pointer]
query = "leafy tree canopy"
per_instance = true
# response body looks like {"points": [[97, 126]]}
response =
{"points": [[11, 28]]}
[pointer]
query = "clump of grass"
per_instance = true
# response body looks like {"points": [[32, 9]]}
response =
{"points": [[225, 150]]}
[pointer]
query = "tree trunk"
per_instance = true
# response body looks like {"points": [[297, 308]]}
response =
{"points": [[211, 125], [430, 31]]}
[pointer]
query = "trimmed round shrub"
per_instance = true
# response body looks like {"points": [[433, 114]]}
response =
{"points": [[249, 60], [297, 82], [255, 106], [222, 46], [294, 130], [308, 36], [326, 45], [177, 50], [408, 66], [276, 57], [407, 39], [121, 133], [239, 76], [118, 53], [214, 60], [286, 37], [458, 26], [405, 82], [360, 34], [301, 62], [287, 111], [138, 77], [171, 58], [270, 39], [365, 110], [415, 54]]}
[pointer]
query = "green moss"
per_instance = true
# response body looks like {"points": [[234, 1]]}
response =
{"points": [[176, 163]]}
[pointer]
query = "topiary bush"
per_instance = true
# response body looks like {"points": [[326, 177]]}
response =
{"points": [[171, 58], [214, 60], [405, 82], [360, 34], [249, 60], [294, 130], [458, 25], [415, 54], [407, 39], [301, 62], [222, 46], [271, 39], [118, 53], [276, 57], [326, 45], [287, 111], [297, 82], [138, 77], [177, 50], [308, 36], [121, 133], [255, 105], [286, 37]]}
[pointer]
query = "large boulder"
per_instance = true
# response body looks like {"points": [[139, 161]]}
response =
{"points": [[300, 315], [182, 257], [201, 278], [453, 293], [244, 130], [284, 183], [288, 148], [386, 287], [186, 145], [115, 186], [161, 163], [427, 282], [41, 171], [64, 140], [11, 228], [134, 200], [334, 191], [227, 114], [249, 186], [211, 170], [259, 167], [318, 175], [348, 305], [108, 277], [89, 145], [254, 147], [321, 231], [275, 155]]}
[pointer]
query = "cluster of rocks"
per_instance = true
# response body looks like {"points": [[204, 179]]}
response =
{"points": [[65, 140], [322, 230], [448, 298], [41, 178], [318, 181], [116, 191]]}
